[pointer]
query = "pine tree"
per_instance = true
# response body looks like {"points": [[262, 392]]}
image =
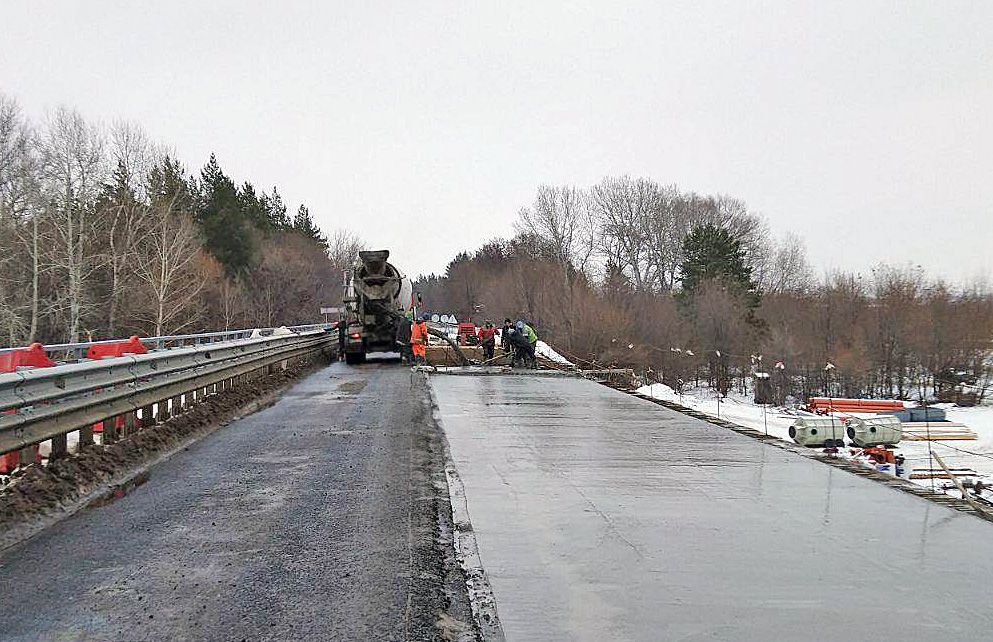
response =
{"points": [[251, 206], [303, 223], [167, 183], [227, 229], [713, 253], [275, 210]]}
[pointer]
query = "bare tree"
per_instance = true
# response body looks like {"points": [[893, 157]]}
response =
{"points": [[18, 224], [561, 217], [134, 155], [622, 208], [786, 269], [124, 209], [343, 250], [165, 266], [73, 171]]}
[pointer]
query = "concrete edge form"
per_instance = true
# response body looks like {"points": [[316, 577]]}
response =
{"points": [[847, 465], [481, 598]]}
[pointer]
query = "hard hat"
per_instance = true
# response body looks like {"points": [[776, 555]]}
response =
{"points": [[520, 325], [425, 317]]}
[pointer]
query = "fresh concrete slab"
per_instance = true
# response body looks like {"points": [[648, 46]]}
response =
{"points": [[599, 516]]}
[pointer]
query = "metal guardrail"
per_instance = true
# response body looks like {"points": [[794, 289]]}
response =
{"points": [[69, 352], [46, 403]]}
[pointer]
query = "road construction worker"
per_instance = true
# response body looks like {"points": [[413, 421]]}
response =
{"points": [[532, 337], [487, 338], [505, 336], [419, 338], [404, 327], [521, 346]]}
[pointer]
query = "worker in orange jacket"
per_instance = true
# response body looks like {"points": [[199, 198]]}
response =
{"points": [[419, 338], [487, 338]]}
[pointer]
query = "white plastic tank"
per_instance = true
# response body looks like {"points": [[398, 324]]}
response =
{"points": [[875, 431], [818, 431]]}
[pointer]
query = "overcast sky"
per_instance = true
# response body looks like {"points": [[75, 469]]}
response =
{"points": [[865, 127]]}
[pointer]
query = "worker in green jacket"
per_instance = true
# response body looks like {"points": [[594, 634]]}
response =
{"points": [[532, 337]]}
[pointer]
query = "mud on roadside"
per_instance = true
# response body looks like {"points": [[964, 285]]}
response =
{"points": [[439, 605], [44, 494]]}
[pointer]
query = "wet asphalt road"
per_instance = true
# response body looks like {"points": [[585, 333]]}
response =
{"points": [[311, 520], [600, 516]]}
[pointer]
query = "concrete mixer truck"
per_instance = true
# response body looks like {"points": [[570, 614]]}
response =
{"points": [[377, 295]]}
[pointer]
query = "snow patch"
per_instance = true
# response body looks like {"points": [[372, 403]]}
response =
{"points": [[741, 409], [545, 350]]}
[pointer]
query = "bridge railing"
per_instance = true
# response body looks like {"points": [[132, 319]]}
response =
{"points": [[128, 392], [68, 352]]}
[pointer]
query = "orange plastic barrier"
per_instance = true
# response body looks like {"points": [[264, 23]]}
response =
{"points": [[116, 349], [31, 357]]}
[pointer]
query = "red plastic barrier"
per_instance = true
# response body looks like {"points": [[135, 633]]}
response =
{"points": [[116, 349], [33, 356], [10, 461]]}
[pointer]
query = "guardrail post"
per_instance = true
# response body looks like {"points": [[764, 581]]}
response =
{"points": [[177, 405], [85, 436], [60, 447], [130, 423], [163, 411], [109, 430], [147, 418]]}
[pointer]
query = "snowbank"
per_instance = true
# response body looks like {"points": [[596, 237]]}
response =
{"points": [[976, 455], [545, 350], [735, 408]]}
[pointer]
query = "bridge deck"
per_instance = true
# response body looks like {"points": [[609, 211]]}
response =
{"points": [[600, 516]]}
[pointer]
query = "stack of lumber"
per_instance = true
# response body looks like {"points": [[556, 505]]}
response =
{"points": [[939, 473], [937, 431], [822, 405]]}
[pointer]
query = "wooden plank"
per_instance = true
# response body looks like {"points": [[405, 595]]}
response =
{"points": [[965, 495]]}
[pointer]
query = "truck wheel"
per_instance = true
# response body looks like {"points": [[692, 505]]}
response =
{"points": [[353, 358]]}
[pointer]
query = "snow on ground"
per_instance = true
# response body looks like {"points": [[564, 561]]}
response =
{"points": [[545, 350], [734, 408], [740, 409]]}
